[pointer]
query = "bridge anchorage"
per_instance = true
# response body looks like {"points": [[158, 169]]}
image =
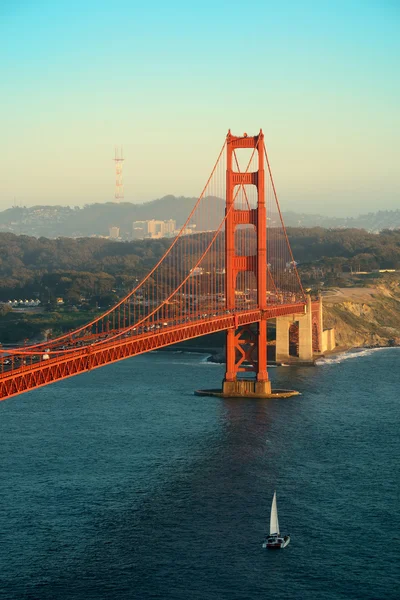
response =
{"points": [[230, 268]]}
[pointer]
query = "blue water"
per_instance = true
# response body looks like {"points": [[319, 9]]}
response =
{"points": [[123, 484]]}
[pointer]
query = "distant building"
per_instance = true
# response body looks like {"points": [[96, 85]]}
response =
{"points": [[139, 229], [22, 303], [113, 232], [153, 229], [189, 230], [169, 227]]}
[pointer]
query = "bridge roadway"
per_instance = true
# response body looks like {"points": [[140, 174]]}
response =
{"points": [[99, 353]]}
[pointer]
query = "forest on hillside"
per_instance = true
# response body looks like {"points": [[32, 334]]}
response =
{"points": [[100, 270]]}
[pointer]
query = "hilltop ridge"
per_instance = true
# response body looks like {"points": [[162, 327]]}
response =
{"points": [[95, 219]]}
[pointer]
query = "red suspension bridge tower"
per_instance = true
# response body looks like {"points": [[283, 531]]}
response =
{"points": [[246, 350]]}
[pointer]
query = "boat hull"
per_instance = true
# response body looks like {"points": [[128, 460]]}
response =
{"points": [[277, 544]]}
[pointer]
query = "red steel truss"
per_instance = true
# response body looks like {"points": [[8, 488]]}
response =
{"points": [[28, 377]]}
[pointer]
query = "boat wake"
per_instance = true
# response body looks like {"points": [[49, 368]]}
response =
{"points": [[205, 361], [357, 353]]}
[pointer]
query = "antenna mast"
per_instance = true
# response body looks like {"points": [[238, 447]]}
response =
{"points": [[119, 186]]}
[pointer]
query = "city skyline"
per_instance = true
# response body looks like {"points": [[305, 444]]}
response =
{"points": [[169, 81]]}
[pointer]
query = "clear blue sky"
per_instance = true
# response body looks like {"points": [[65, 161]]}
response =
{"points": [[167, 80]]}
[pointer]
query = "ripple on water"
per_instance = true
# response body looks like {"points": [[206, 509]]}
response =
{"points": [[123, 484]]}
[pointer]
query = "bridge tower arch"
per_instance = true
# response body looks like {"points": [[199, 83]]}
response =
{"points": [[246, 352]]}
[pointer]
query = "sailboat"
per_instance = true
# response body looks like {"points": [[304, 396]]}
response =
{"points": [[275, 540]]}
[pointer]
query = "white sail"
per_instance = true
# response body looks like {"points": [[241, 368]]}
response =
{"points": [[274, 523]]}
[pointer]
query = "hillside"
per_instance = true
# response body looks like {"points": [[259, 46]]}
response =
{"points": [[88, 273], [365, 316], [95, 219], [72, 267], [372, 222]]}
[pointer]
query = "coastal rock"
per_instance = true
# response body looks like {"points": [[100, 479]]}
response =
{"points": [[370, 319]]}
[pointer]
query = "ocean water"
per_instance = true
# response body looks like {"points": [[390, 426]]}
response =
{"points": [[122, 484]]}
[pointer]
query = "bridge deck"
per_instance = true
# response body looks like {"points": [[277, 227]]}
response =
{"points": [[100, 353]]}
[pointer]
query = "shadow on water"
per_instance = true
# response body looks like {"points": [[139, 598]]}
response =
{"points": [[199, 532]]}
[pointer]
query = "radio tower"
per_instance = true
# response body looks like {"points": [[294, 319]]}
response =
{"points": [[119, 186]]}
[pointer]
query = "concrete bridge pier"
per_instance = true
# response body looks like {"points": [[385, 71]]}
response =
{"points": [[246, 387], [282, 337], [304, 322], [306, 334], [312, 338]]}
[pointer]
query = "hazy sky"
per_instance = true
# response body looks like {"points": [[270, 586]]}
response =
{"points": [[167, 80]]}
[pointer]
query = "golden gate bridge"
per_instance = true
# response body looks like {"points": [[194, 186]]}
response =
{"points": [[233, 277]]}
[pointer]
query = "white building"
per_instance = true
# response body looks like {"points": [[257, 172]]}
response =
{"points": [[153, 229], [113, 232]]}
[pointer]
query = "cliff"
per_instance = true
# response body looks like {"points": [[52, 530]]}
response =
{"points": [[367, 316]]}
